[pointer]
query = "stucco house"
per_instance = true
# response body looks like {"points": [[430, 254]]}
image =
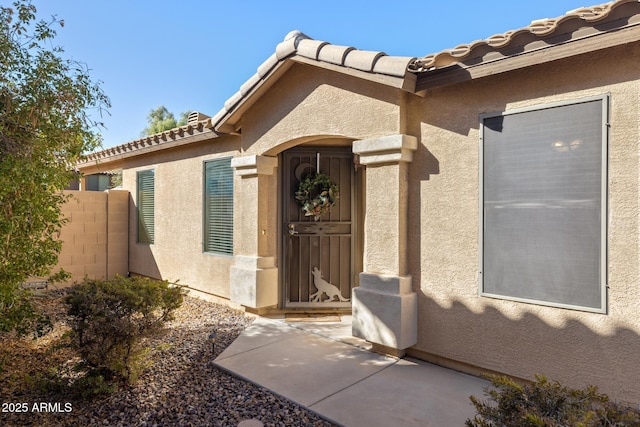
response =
{"points": [[487, 217]]}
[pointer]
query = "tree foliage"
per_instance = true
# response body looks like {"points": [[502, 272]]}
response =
{"points": [[45, 126], [161, 119]]}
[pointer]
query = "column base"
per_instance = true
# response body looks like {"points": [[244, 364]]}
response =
{"points": [[385, 311], [254, 282]]}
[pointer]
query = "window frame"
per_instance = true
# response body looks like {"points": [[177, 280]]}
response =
{"points": [[207, 247], [605, 100], [139, 207]]}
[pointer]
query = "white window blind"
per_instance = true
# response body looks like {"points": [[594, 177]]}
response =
{"points": [[218, 209], [544, 205], [146, 206]]}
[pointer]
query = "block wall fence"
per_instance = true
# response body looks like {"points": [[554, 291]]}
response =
{"points": [[96, 237]]}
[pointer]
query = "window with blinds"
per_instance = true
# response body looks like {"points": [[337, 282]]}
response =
{"points": [[146, 206], [543, 204], [218, 206]]}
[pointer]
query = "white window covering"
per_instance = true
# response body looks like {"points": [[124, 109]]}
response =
{"points": [[544, 205]]}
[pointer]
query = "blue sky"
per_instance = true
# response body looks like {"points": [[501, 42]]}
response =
{"points": [[193, 55]]}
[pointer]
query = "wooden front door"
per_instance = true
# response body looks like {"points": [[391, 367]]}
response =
{"points": [[318, 255]]}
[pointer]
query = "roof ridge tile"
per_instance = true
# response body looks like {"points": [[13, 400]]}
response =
{"points": [[363, 60], [392, 65], [289, 45], [334, 54], [310, 48], [267, 65]]}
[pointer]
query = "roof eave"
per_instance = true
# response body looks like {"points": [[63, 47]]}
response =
{"points": [[228, 119], [296, 47], [406, 83], [150, 144], [461, 72]]}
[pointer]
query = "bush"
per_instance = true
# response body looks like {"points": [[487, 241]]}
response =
{"points": [[110, 318], [549, 404], [18, 313]]}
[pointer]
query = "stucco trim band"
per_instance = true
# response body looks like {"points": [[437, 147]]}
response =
{"points": [[247, 166], [385, 311], [386, 149]]}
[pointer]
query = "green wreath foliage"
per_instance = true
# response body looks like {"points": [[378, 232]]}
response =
{"points": [[317, 195]]}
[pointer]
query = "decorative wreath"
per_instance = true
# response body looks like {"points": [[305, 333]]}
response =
{"points": [[317, 195]]}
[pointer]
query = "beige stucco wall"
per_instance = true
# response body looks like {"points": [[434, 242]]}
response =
{"points": [[456, 326], [306, 105], [177, 252], [455, 323], [309, 103], [95, 238]]}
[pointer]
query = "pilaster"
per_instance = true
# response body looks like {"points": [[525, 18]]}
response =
{"points": [[384, 305], [253, 275]]}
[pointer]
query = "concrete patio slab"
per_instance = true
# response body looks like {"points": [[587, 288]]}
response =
{"points": [[409, 393], [262, 332], [304, 367], [349, 385], [339, 331]]}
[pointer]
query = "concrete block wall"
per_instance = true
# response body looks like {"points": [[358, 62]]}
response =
{"points": [[95, 239]]}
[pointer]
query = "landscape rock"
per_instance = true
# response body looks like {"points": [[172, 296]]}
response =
{"points": [[181, 387]]}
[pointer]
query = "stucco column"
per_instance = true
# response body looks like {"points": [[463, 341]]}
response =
{"points": [[253, 276], [385, 308]]}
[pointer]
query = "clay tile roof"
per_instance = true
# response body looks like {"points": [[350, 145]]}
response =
{"points": [[300, 47], [298, 44], [540, 28], [347, 56], [295, 44], [201, 127]]}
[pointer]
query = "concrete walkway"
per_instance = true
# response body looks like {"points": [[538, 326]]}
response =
{"points": [[322, 367]]}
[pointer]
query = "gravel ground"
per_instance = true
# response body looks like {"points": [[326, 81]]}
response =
{"points": [[180, 388]]}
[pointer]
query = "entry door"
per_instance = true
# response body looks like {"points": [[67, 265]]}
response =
{"points": [[318, 256]]}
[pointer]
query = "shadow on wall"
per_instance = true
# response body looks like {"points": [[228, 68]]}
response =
{"points": [[428, 165], [454, 322], [472, 331], [563, 348], [142, 261]]}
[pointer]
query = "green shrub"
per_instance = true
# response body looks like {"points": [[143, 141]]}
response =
{"points": [[549, 404], [90, 386], [110, 318]]}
